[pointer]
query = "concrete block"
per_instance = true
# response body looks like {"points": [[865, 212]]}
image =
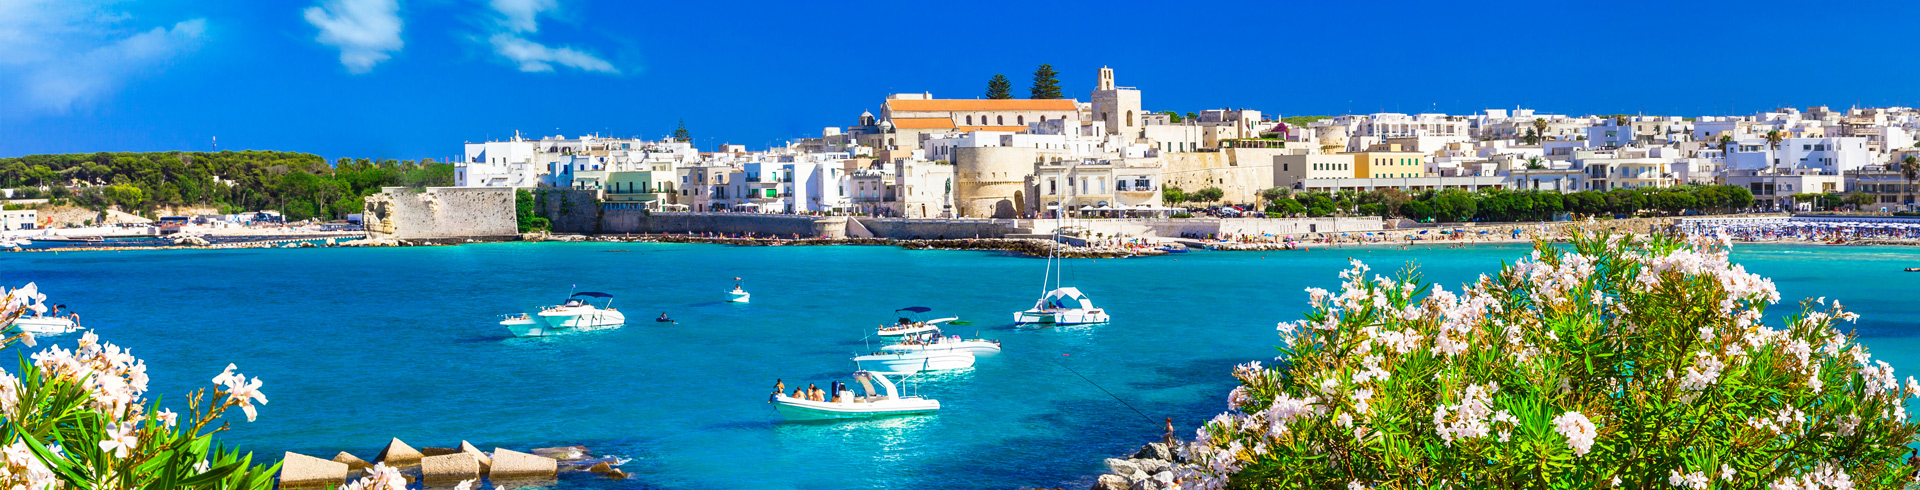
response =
{"points": [[485, 461], [456, 466], [511, 464], [438, 451], [352, 462], [302, 470], [399, 454]]}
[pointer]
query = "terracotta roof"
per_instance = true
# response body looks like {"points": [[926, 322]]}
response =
{"points": [[1010, 129], [982, 105], [922, 123]]}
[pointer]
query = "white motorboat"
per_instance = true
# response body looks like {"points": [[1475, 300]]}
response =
{"points": [[36, 318], [913, 362], [845, 405], [935, 342], [45, 325], [910, 323], [1059, 305], [1063, 306], [738, 295], [577, 313]]}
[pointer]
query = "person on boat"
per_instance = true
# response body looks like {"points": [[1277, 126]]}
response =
{"points": [[779, 386], [663, 318], [799, 393]]}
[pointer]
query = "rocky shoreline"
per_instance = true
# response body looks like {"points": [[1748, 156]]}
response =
{"points": [[1150, 468]]}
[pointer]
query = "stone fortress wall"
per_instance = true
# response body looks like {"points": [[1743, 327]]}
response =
{"points": [[440, 212]]}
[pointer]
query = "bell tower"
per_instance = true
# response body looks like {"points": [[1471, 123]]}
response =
{"points": [[1117, 107]]}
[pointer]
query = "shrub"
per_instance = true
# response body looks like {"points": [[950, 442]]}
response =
{"points": [[1625, 361]]}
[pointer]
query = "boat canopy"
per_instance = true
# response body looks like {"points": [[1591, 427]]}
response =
{"points": [[885, 384], [1059, 298], [916, 309], [593, 294]]}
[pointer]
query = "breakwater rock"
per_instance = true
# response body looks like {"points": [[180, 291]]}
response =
{"points": [[448, 464], [1150, 468]]}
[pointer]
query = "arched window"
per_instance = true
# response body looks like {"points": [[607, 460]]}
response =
{"points": [[1020, 120], [1000, 120], [1129, 118], [969, 120]]}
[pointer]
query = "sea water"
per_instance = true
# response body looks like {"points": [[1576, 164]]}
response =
{"points": [[360, 345]]}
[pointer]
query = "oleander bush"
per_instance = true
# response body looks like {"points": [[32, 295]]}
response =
{"points": [[1612, 361], [79, 419]]}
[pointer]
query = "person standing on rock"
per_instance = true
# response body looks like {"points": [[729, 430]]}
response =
{"points": [[1169, 436]]}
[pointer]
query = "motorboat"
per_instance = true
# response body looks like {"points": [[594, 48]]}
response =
{"points": [[1060, 305], [738, 295], [934, 341], [36, 318], [885, 402], [579, 313], [37, 324], [916, 361], [1063, 306], [911, 322]]}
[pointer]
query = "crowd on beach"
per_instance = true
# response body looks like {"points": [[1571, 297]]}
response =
{"points": [[1834, 232]]}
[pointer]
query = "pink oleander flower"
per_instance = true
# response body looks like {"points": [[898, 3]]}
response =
{"points": [[1579, 431]]}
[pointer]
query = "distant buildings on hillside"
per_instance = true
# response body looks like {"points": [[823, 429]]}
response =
{"points": [[928, 157]]}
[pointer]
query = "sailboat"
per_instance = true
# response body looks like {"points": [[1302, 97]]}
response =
{"points": [[1059, 305]]}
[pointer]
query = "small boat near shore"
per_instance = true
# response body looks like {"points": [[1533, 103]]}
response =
{"points": [[910, 362], [1913, 269], [738, 295], [885, 402]]}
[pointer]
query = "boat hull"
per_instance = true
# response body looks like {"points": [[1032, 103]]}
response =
{"points": [[913, 362], [589, 319], [525, 328], [975, 347], [45, 325], [738, 296], [796, 409], [1060, 317]]}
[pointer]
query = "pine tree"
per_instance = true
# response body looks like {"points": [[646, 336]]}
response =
{"points": [[999, 87], [1046, 83], [680, 134]]}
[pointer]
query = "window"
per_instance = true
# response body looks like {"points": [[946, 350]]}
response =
{"points": [[1000, 120], [969, 120]]}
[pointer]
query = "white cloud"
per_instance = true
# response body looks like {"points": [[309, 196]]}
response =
{"points": [[366, 31], [55, 55], [520, 17], [535, 57]]}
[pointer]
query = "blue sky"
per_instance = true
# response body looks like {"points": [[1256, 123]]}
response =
{"points": [[415, 78]]}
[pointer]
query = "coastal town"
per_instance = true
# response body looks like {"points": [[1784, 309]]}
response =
{"points": [[584, 244], [1113, 173]]}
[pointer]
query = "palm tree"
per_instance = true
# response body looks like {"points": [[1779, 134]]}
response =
{"points": [[1910, 169], [1774, 138], [1540, 127]]}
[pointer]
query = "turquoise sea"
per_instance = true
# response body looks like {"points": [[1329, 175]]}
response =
{"points": [[360, 345]]}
